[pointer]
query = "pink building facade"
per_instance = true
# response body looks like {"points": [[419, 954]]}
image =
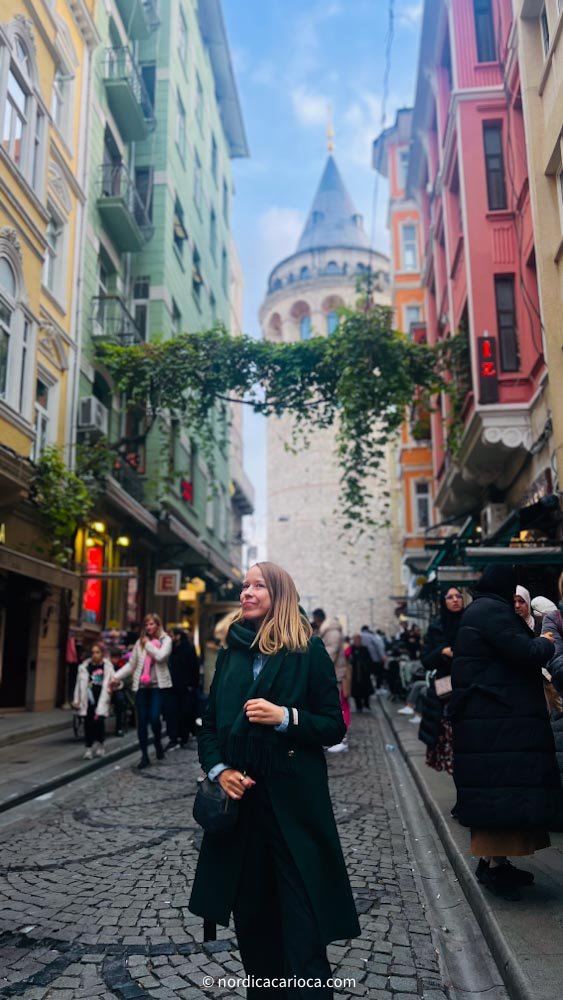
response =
{"points": [[468, 174]]}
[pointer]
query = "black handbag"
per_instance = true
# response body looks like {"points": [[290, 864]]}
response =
{"points": [[213, 809]]}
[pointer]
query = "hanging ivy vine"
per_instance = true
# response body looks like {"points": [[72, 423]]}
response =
{"points": [[65, 501], [359, 381]]}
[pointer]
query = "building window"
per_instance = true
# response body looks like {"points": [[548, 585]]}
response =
{"points": [[412, 317], [226, 202], [176, 320], [53, 265], [332, 267], [26, 339], [213, 234], [422, 498], [199, 100], [225, 272], [214, 158], [5, 332], [304, 273], [403, 168], [332, 322], [180, 233], [305, 327], [506, 322], [41, 419], [148, 74], [183, 39], [180, 127], [15, 119], [484, 31], [141, 297], [37, 155], [409, 247], [197, 279], [544, 25], [494, 166], [198, 184]]}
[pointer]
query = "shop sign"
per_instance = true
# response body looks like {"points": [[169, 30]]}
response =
{"points": [[2, 534], [167, 582], [488, 370]]}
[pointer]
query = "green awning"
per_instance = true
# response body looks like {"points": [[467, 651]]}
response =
{"points": [[525, 555]]}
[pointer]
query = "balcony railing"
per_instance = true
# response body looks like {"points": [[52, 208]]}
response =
{"points": [[111, 321], [129, 479], [127, 95], [121, 208], [140, 17]]}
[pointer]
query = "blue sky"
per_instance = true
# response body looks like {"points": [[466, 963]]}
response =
{"points": [[294, 59]]}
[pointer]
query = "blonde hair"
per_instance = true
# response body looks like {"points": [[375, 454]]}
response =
{"points": [[157, 620], [285, 626]]}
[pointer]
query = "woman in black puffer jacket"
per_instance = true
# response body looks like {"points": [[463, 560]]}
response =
{"points": [[504, 757], [437, 655]]}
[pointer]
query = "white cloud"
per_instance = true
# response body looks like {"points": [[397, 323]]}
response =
{"points": [[309, 108], [279, 230], [410, 15]]}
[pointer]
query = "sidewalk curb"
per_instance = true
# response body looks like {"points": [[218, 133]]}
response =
{"points": [[8, 739], [516, 981], [69, 776]]}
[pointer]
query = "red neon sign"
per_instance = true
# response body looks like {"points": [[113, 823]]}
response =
{"points": [[488, 370]]}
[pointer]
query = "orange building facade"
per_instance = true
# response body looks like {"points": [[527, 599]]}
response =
{"points": [[412, 477]]}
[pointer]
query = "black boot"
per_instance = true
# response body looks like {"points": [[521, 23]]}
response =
{"points": [[144, 762], [496, 880], [159, 750], [518, 876]]}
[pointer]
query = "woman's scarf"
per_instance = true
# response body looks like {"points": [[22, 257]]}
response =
{"points": [[450, 622], [145, 679], [525, 595], [248, 746]]}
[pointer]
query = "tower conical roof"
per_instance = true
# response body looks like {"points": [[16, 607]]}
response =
{"points": [[333, 221]]}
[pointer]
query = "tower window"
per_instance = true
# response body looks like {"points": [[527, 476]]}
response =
{"points": [[305, 327]]}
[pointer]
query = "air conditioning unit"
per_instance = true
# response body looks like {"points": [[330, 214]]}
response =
{"points": [[492, 516], [92, 415]]}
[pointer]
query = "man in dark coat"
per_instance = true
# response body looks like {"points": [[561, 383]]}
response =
{"points": [[184, 671], [504, 757]]}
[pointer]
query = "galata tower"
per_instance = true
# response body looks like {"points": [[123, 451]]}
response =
{"points": [[304, 294]]}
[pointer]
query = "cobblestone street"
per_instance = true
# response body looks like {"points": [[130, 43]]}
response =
{"points": [[94, 889]]}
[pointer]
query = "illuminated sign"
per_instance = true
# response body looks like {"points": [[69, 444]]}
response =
{"points": [[488, 370], [92, 601], [186, 490], [167, 582], [2, 534]]}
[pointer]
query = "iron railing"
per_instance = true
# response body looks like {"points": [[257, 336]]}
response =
{"points": [[115, 181], [111, 320], [119, 64]]}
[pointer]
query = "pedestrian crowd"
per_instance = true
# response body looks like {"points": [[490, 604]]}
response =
{"points": [[157, 677], [486, 698]]}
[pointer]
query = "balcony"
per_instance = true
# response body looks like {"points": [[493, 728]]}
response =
{"points": [[127, 95], [140, 17], [121, 209], [112, 323], [129, 479]]}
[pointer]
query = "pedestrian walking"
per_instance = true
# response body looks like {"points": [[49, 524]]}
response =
{"points": [[437, 656], [330, 631], [552, 628], [184, 671], [118, 696], [505, 771], [376, 649], [91, 699], [523, 606], [362, 670], [148, 667], [274, 704]]}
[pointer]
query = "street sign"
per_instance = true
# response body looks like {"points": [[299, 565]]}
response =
{"points": [[488, 370], [167, 582]]}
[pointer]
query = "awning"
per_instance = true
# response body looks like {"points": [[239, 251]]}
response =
{"points": [[525, 555], [37, 569]]}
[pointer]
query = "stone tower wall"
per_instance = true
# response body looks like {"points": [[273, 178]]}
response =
{"points": [[352, 581]]}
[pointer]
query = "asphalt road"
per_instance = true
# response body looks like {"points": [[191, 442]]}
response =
{"points": [[95, 879]]}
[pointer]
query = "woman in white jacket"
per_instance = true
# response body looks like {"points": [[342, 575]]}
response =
{"points": [[149, 667], [92, 697]]}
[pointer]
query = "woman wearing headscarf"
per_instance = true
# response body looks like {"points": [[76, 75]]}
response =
{"points": [[523, 607], [552, 628], [437, 655], [505, 770]]}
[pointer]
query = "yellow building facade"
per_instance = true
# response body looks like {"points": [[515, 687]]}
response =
{"points": [[538, 33], [45, 59]]}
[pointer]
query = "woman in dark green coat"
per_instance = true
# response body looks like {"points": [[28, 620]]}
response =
{"points": [[273, 706]]}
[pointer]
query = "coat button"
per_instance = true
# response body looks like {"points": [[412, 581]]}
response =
{"points": [[291, 753]]}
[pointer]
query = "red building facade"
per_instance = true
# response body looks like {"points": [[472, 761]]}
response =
{"points": [[468, 174]]}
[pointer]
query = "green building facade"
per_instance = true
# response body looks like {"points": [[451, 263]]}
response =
{"points": [[165, 125]]}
